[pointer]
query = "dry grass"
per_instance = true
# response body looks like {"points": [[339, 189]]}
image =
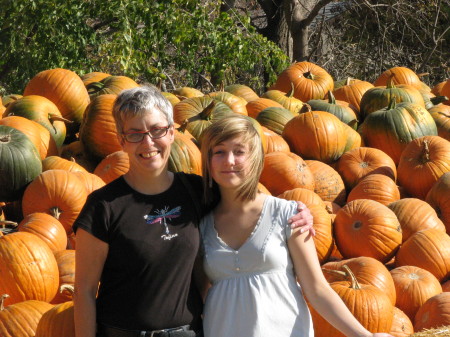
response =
{"points": [[443, 331]]}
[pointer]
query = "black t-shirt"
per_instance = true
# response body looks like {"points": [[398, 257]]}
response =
{"points": [[153, 242]]}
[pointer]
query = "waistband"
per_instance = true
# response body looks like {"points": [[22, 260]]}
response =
{"points": [[109, 331]]}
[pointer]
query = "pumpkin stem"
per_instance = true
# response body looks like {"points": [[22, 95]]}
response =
{"points": [[348, 81], [334, 271], [331, 98], [206, 113], [5, 139], [94, 87], [309, 75], [305, 108], [392, 103], [53, 118], [390, 82], [55, 212], [183, 126], [67, 287], [426, 152], [355, 283], [438, 99], [290, 93], [2, 301], [6, 223]]}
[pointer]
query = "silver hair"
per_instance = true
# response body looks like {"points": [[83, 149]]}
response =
{"points": [[140, 101]]}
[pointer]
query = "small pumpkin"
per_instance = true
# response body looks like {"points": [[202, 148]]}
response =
{"points": [[113, 166]]}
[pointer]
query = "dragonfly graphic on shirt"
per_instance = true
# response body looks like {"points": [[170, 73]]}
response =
{"points": [[161, 216]]}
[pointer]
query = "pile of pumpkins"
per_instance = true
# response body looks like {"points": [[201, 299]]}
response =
{"points": [[370, 160]]}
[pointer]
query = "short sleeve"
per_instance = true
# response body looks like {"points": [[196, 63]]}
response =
{"points": [[93, 218], [289, 209]]}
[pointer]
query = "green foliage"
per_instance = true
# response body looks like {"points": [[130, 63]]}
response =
{"points": [[175, 43]]}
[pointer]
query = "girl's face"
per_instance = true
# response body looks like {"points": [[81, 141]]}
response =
{"points": [[148, 155], [229, 163]]}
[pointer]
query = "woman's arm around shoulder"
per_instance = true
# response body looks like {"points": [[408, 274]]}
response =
{"points": [[90, 256], [316, 288]]}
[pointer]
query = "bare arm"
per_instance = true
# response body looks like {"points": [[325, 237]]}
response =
{"points": [[201, 280], [90, 256], [322, 297]]}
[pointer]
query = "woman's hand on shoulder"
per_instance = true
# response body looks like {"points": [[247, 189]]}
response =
{"points": [[303, 219]]}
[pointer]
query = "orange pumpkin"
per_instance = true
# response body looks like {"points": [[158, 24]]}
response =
{"points": [[58, 321], [110, 85], [66, 267], [274, 142], [366, 269], [365, 227], [323, 239], [256, 106], [59, 193], [243, 91], [328, 184], [59, 163], [185, 155], [113, 166], [98, 131], [46, 227], [434, 313], [360, 162], [401, 324], [399, 75], [370, 306], [378, 187], [316, 135], [352, 92], [305, 195], [286, 99], [65, 89], [236, 103], [426, 159], [415, 215], [285, 171], [310, 81], [428, 249], [441, 116], [29, 268], [94, 76], [188, 92], [413, 286], [439, 198], [21, 319]]}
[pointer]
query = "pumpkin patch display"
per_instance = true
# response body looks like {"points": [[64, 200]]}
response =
{"points": [[20, 163]]}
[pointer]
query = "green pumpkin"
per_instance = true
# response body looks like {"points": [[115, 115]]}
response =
{"points": [[20, 163], [392, 128], [275, 118], [378, 98], [340, 109], [199, 113]]}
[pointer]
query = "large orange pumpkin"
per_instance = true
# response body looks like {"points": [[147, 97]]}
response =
{"points": [[285, 171], [98, 132], [366, 269], [399, 75], [316, 135], [310, 81], [428, 249], [434, 313], [415, 215], [113, 166], [426, 159], [59, 163], [365, 227], [413, 286], [29, 268], [21, 319], [370, 306], [47, 228], [58, 321], [274, 141], [439, 198], [65, 89], [305, 195], [59, 193], [401, 324], [378, 187], [360, 162]]}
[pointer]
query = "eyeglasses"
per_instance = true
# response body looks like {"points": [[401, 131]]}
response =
{"points": [[153, 133]]}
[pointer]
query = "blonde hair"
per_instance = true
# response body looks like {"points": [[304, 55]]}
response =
{"points": [[138, 102], [220, 131]]}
